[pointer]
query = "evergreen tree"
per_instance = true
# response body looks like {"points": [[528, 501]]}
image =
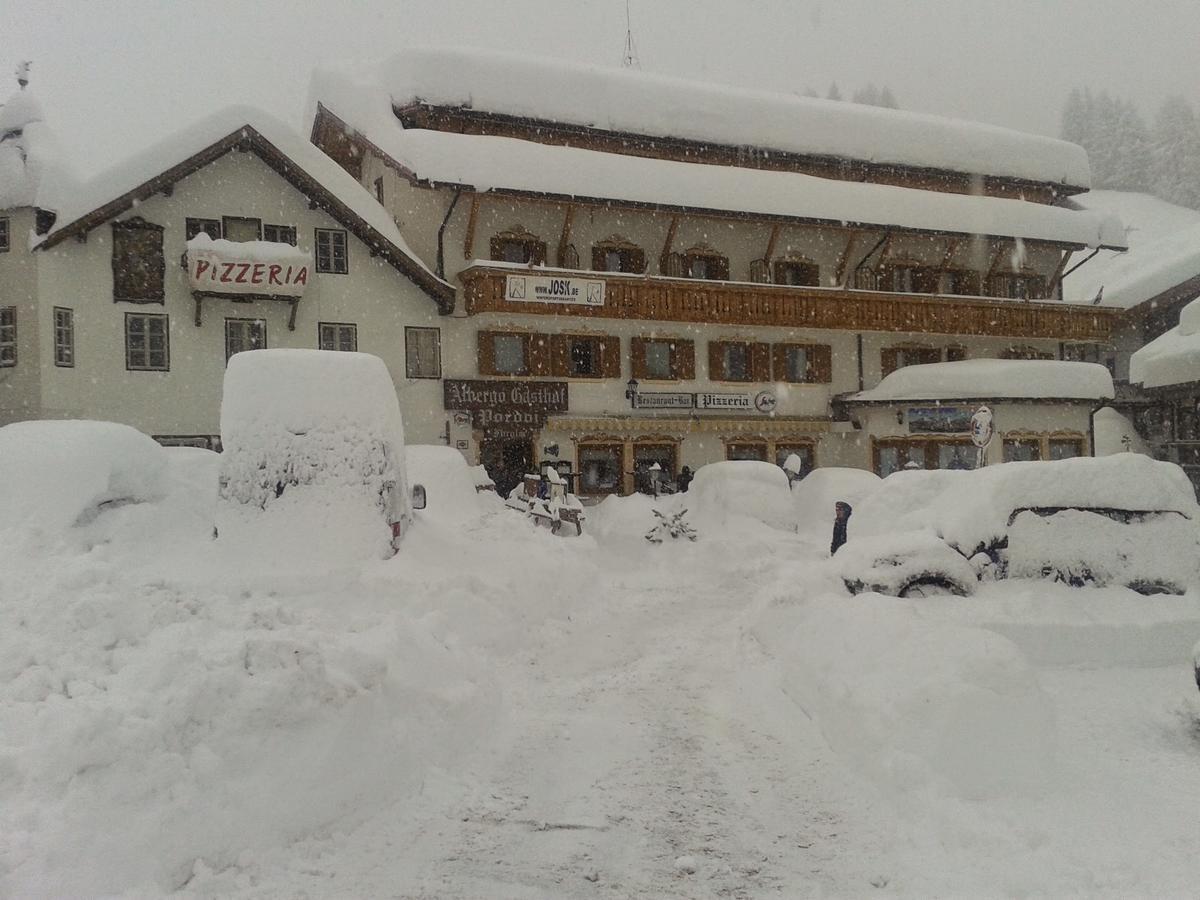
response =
{"points": [[1176, 153], [888, 99], [868, 96], [834, 93]]}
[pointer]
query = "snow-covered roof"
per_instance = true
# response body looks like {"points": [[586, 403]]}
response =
{"points": [[993, 379], [145, 173], [32, 171], [631, 101], [510, 164], [1164, 251], [1172, 358]]}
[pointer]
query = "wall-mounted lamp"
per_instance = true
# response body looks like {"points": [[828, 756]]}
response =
{"points": [[631, 391], [899, 417]]}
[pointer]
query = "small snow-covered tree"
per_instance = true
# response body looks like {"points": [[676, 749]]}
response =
{"points": [[833, 93]]}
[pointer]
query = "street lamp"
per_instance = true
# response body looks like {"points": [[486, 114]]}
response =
{"points": [[631, 392]]}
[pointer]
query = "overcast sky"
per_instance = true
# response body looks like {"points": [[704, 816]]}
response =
{"points": [[113, 75]]}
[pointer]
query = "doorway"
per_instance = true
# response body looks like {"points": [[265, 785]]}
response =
{"points": [[506, 461]]}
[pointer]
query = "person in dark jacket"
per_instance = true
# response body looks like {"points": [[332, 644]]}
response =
{"points": [[683, 479], [842, 511]]}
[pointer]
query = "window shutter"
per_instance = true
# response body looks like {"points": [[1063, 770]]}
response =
{"points": [[720, 268], [138, 264], [539, 354], [760, 362], [537, 253], [683, 360], [889, 361], [497, 249], [673, 267], [610, 357], [820, 363], [598, 259], [569, 258], [759, 272], [560, 352], [956, 354], [637, 260], [716, 360], [779, 361], [637, 358], [487, 353]]}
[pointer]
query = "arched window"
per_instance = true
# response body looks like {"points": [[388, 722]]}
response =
{"points": [[615, 254], [797, 272], [518, 245], [704, 263]]}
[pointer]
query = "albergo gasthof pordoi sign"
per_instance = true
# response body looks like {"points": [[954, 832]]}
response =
{"points": [[254, 267]]}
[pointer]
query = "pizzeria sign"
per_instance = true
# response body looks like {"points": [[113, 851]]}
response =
{"points": [[221, 267]]}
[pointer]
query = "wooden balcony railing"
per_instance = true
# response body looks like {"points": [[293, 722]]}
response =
{"points": [[656, 298]]}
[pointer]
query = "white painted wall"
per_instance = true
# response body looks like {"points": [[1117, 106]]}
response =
{"points": [[20, 385]]}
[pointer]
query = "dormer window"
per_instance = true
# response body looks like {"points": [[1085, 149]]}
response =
{"points": [[518, 246], [5, 241], [618, 255], [705, 264], [797, 272]]}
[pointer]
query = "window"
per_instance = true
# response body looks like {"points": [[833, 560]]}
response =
{"points": [[601, 467], [147, 346], [646, 455], [518, 246], [894, 455], [211, 227], [280, 234], [137, 261], [956, 354], [337, 336], [866, 280], [803, 363], [64, 337], [736, 362], [803, 451], [8, 335], [509, 354], [618, 255], [893, 358], [1017, 286], [797, 272], [746, 450], [1066, 448], [1026, 353], [739, 361], [331, 251], [583, 357], [662, 359], [244, 334], [5, 240], [522, 353], [379, 188], [962, 282], [1022, 449], [705, 264], [908, 278], [241, 229], [422, 352]]}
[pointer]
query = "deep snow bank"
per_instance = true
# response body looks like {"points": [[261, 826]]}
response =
{"points": [[725, 493]]}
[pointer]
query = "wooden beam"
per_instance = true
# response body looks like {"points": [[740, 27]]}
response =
{"points": [[839, 277], [565, 238], [196, 295], [1000, 250], [469, 237], [292, 315], [887, 246], [952, 246], [666, 250], [772, 241], [1058, 274]]}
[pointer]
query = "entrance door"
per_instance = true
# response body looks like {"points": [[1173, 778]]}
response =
{"points": [[506, 461]]}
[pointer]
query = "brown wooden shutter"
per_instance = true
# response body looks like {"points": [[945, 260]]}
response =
{"points": [[760, 362], [779, 354], [537, 253], [889, 361], [716, 360], [720, 268], [560, 354], [673, 265], [683, 360], [138, 263], [497, 249], [637, 357], [487, 353], [538, 354], [820, 363], [598, 259], [637, 260], [610, 357]]}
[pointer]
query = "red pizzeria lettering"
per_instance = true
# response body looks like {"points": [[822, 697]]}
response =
{"points": [[201, 266], [256, 274], [226, 269], [273, 274], [243, 268], [301, 276]]}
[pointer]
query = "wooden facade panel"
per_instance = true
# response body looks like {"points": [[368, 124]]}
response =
{"points": [[679, 300]]}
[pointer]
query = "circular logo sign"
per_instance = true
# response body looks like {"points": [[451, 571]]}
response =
{"points": [[981, 427], [764, 402]]}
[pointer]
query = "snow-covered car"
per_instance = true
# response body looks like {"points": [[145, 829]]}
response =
{"points": [[913, 564], [314, 452]]}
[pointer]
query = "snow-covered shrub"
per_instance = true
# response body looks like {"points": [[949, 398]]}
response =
{"points": [[904, 564], [62, 473], [317, 438], [671, 525], [744, 488]]}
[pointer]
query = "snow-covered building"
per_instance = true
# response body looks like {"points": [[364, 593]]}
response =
{"points": [[125, 300], [651, 270]]}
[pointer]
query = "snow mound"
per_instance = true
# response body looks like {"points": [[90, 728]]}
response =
{"points": [[973, 379], [259, 251], [313, 452], [971, 509], [449, 483], [814, 496], [1111, 428], [914, 702], [1171, 358], [61, 473], [724, 492]]}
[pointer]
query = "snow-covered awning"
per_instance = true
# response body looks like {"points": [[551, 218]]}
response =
{"points": [[992, 379], [1172, 358], [630, 101]]}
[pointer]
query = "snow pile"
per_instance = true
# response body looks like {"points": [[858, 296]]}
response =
{"points": [[313, 453], [994, 379], [1157, 552], [912, 702], [1171, 358], [1110, 430], [723, 494], [449, 483], [900, 563], [258, 251], [62, 473], [814, 496], [32, 172], [628, 100], [971, 509]]}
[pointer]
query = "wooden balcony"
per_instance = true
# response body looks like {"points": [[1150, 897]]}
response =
{"points": [[655, 298]]}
